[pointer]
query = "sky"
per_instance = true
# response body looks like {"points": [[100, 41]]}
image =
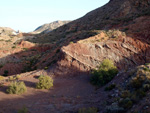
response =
{"points": [[27, 15]]}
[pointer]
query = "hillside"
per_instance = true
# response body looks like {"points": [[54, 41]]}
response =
{"points": [[118, 31], [49, 27], [4, 31]]}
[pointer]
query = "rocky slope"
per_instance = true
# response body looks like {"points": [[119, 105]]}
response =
{"points": [[49, 27], [114, 31], [16, 54], [5, 32], [119, 31]]}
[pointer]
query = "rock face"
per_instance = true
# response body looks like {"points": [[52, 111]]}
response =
{"points": [[49, 27], [124, 51], [4, 31], [119, 31]]}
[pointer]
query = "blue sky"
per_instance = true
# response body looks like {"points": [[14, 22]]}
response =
{"points": [[27, 15]]}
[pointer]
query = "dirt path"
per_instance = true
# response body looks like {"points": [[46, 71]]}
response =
{"points": [[67, 96]]}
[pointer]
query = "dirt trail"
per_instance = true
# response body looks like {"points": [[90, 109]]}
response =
{"points": [[68, 94]]}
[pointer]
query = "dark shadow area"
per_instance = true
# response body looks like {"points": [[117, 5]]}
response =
{"points": [[30, 84], [3, 88], [36, 77]]}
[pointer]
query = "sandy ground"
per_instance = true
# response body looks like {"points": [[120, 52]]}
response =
{"points": [[68, 95]]}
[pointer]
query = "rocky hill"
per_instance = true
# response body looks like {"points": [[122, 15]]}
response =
{"points": [[4, 31], [119, 30], [49, 27]]}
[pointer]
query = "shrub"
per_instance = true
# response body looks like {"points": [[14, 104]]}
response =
{"points": [[45, 68], [1, 66], [5, 73], [2, 78], [8, 41], [146, 87], [135, 98], [13, 47], [125, 94], [18, 76], [146, 69], [25, 49], [104, 74], [71, 42], [11, 78], [140, 93], [17, 88], [137, 82], [112, 86], [45, 82], [126, 103], [23, 110], [88, 110]]}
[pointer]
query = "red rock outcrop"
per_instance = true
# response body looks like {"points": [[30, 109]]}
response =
{"points": [[124, 51]]}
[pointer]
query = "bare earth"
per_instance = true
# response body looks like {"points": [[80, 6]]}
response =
{"points": [[68, 94]]}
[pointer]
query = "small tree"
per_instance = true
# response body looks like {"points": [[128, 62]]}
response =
{"points": [[5, 73], [104, 74], [17, 88], [45, 82], [23, 110], [88, 110]]}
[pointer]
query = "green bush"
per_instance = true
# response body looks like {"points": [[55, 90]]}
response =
{"points": [[104, 74], [5, 73], [146, 87], [13, 47], [125, 94], [11, 78], [88, 110], [137, 82], [2, 77], [23, 110], [17, 88], [45, 82], [18, 76], [110, 87], [1, 66], [126, 103], [45, 68], [146, 69]]}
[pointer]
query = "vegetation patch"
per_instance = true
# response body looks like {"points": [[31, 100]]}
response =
{"points": [[88, 110], [18, 76], [1, 66], [104, 74], [11, 78], [30, 63], [113, 34], [13, 47], [110, 87], [23, 110], [2, 77], [17, 88], [135, 88], [45, 82], [6, 73], [25, 49]]}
